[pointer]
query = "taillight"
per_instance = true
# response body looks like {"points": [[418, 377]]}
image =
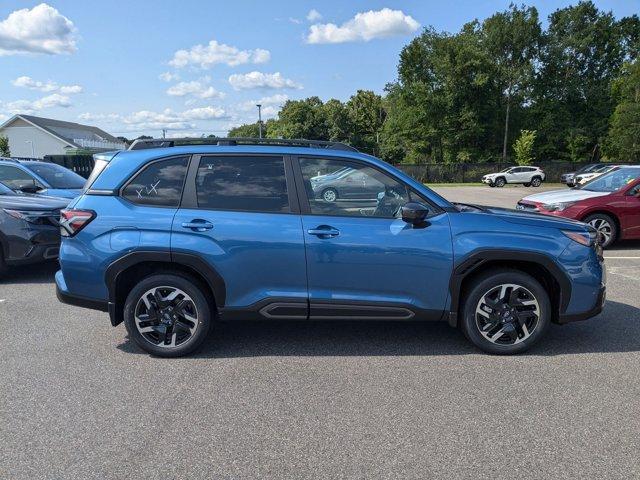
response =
{"points": [[72, 221]]}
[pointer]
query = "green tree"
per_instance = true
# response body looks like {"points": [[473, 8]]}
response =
{"points": [[248, 130], [4, 147], [623, 142], [301, 119], [365, 114], [523, 147], [512, 38], [339, 124]]}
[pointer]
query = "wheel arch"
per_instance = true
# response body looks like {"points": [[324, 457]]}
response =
{"points": [[123, 273], [540, 266]]}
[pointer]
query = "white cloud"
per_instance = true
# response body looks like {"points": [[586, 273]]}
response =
{"points": [[28, 106], [48, 86], [196, 88], [167, 119], [168, 76], [270, 105], [204, 113], [41, 29], [364, 27], [313, 15], [297, 21], [261, 80], [214, 53]]}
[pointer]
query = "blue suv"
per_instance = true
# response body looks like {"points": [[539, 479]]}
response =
{"points": [[172, 235]]}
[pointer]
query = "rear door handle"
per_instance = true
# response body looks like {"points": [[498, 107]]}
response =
{"points": [[324, 231], [198, 225]]}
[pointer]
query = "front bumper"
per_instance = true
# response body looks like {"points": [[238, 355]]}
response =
{"points": [[488, 181], [600, 301]]}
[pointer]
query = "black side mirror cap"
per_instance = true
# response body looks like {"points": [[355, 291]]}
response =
{"points": [[414, 213], [29, 188]]}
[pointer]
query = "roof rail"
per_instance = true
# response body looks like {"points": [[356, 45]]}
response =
{"points": [[146, 143]]}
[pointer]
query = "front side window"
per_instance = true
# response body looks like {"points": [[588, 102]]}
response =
{"points": [[250, 184], [16, 178], [159, 184], [337, 187]]}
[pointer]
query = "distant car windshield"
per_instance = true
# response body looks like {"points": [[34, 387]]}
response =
{"points": [[4, 190], [506, 169], [55, 175], [612, 181]]}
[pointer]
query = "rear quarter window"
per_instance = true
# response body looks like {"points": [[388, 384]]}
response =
{"points": [[159, 184]]}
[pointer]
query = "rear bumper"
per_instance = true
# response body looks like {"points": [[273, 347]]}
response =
{"points": [[576, 317], [77, 300], [36, 254]]}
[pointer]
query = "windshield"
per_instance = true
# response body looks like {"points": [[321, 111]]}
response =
{"points": [[55, 175], [506, 169], [588, 168], [612, 181]]}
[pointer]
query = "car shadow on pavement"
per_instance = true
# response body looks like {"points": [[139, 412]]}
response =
{"points": [[616, 330], [37, 273]]}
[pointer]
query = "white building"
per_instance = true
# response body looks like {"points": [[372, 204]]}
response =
{"points": [[35, 137]]}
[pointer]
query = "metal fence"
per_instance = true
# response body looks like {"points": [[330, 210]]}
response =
{"points": [[81, 164]]}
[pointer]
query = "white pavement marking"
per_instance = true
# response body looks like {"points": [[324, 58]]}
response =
{"points": [[623, 258], [3, 300]]}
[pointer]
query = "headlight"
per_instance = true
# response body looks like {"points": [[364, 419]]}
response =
{"points": [[557, 207]]}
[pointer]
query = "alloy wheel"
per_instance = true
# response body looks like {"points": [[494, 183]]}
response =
{"points": [[507, 314], [166, 317], [604, 229], [536, 182], [329, 196]]}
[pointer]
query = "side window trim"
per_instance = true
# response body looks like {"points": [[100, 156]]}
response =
{"points": [[120, 190], [305, 207], [190, 194]]}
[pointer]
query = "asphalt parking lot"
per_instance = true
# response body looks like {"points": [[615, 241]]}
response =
{"points": [[319, 400]]}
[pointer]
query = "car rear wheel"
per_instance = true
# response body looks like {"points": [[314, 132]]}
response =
{"points": [[605, 226], [167, 315], [500, 182], [505, 312], [536, 181], [3, 265], [330, 195]]}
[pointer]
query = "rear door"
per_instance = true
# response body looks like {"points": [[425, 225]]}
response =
{"points": [[364, 262], [240, 214]]}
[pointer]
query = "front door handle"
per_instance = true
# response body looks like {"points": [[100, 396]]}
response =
{"points": [[198, 225], [324, 231]]}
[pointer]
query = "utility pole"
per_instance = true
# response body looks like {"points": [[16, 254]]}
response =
{"points": [[259, 120], [164, 133]]}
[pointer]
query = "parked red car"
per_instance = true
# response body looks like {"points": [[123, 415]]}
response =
{"points": [[609, 203]]}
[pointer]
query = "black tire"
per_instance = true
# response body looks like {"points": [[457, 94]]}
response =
{"points": [[197, 304], [3, 265], [525, 338], [527, 184], [606, 226], [329, 195], [536, 182], [500, 182], [492, 185]]}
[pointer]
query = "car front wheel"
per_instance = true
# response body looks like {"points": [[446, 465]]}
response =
{"points": [[500, 182], [605, 226], [505, 312], [167, 315]]}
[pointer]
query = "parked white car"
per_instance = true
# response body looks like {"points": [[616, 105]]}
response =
{"points": [[583, 178], [528, 176]]}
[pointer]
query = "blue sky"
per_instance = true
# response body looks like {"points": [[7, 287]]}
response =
{"points": [[198, 67]]}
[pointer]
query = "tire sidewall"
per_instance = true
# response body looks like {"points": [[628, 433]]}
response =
{"points": [[500, 182], [480, 287], [185, 284]]}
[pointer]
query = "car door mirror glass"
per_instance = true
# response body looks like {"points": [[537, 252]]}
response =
{"points": [[414, 213]]}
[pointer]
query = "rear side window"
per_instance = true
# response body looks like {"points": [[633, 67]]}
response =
{"points": [[251, 184], [159, 184]]}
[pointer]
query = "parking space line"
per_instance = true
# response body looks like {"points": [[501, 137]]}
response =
{"points": [[623, 258]]}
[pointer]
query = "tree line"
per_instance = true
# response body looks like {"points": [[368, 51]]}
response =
{"points": [[498, 89]]}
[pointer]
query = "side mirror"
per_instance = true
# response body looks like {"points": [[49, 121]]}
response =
{"points": [[29, 188], [414, 213]]}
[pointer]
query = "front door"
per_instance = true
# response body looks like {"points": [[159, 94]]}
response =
{"points": [[240, 215], [364, 262]]}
